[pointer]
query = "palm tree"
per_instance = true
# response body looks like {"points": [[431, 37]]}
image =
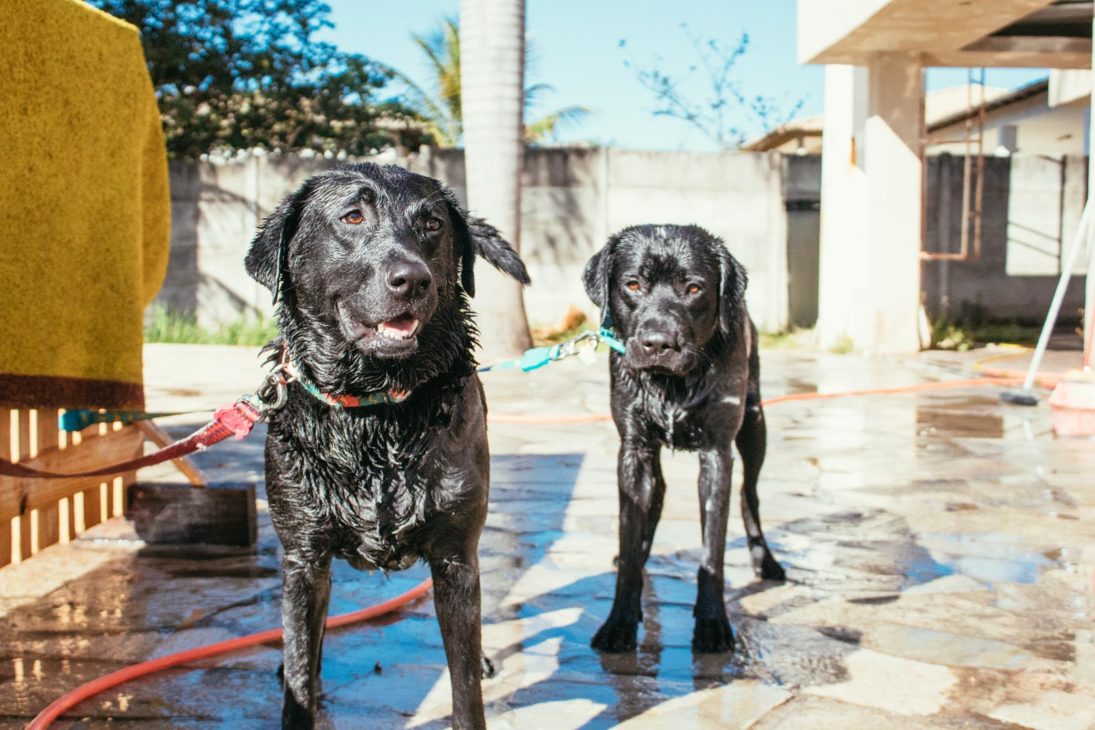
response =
{"points": [[492, 101], [441, 109]]}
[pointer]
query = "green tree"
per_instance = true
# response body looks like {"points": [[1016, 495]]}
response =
{"points": [[440, 107], [242, 74]]}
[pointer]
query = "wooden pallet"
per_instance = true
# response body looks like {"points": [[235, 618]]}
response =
{"points": [[37, 513]]}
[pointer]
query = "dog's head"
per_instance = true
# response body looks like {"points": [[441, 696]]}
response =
{"points": [[372, 254], [669, 291]]}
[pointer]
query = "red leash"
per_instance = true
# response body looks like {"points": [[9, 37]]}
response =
{"points": [[236, 420]]}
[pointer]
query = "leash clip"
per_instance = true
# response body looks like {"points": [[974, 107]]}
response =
{"points": [[583, 345], [273, 393]]}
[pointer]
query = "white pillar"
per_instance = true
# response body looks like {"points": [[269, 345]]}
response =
{"points": [[842, 274], [1089, 286], [895, 108]]}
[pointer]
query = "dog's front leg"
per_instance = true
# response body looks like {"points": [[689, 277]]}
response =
{"points": [[306, 589], [641, 490], [712, 632], [457, 601]]}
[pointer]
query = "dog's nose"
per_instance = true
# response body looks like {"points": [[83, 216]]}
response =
{"points": [[657, 343], [409, 279]]}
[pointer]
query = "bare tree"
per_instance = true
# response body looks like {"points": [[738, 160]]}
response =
{"points": [[717, 114], [492, 41]]}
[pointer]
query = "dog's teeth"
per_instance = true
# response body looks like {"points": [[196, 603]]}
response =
{"points": [[396, 333]]}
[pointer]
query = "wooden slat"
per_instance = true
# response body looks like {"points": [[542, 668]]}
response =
{"points": [[5, 432], [5, 542], [44, 426], [158, 436], [21, 450], [92, 507], [37, 493], [5, 452]]}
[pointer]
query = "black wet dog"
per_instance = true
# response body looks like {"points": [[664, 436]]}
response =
{"points": [[690, 380], [373, 266]]}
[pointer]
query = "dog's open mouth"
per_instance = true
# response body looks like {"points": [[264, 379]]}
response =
{"points": [[402, 327]]}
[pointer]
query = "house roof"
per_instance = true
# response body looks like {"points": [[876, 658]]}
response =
{"points": [[1041, 86], [942, 108]]}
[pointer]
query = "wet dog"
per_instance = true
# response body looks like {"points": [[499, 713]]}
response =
{"points": [[690, 380], [373, 267]]}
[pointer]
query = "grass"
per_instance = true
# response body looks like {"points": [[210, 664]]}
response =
{"points": [[167, 326], [962, 336]]}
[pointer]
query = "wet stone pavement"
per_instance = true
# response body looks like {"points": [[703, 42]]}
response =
{"points": [[939, 547]]}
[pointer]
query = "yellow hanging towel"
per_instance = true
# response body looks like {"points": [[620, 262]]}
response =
{"points": [[84, 206]]}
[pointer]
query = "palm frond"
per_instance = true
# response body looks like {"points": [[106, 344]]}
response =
{"points": [[544, 128]]}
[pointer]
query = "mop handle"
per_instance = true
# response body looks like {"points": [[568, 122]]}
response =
{"points": [[1058, 296]]}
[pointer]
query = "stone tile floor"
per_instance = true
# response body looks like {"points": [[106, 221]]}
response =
{"points": [[940, 551]]}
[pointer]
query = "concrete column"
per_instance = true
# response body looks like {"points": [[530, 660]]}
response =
{"points": [[895, 109], [1089, 286], [842, 274]]}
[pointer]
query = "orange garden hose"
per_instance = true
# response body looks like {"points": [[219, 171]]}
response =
{"points": [[46, 717], [101, 684]]}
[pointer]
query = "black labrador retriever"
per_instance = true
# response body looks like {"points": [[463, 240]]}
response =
{"points": [[690, 380], [373, 267]]}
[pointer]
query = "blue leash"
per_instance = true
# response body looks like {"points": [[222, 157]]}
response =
{"points": [[538, 357], [78, 419]]}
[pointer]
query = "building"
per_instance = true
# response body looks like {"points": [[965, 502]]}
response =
{"points": [[875, 53]]}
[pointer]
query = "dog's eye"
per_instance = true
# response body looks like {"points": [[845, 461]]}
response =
{"points": [[354, 217], [433, 224], [633, 285], [694, 289]]}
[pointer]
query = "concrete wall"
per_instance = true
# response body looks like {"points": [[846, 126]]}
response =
{"points": [[1032, 206], [573, 200], [763, 205]]}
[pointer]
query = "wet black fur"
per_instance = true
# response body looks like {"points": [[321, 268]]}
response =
{"points": [[701, 393], [382, 486]]}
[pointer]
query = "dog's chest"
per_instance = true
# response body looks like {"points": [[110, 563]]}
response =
{"points": [[675, 426], [366, 488]]}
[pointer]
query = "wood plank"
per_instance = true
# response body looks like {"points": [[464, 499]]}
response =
{"points": [[49, 526], [160, 437], [25, 524], [92, 507], [6, 487], [44, 426], [19, 495], [20, 451], [6, 415], [179, 514], [5, 542]]}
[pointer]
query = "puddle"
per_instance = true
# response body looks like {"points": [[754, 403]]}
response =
{"points": [[966, 418], [989, 559]]}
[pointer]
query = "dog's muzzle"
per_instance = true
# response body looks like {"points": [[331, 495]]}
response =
{"points": [[659, 349]]}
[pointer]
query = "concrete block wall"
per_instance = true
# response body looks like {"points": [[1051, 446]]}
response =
{"points": [[573, 199], [763, 205], [1032, 207]]}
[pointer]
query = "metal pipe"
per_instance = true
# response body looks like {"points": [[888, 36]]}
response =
{"points": [[972, 205], [1027, 397]]}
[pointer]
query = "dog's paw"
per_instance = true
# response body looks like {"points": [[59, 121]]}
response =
{"points": [[712, 636], [487, 667], [616, 636], [769, 568]]}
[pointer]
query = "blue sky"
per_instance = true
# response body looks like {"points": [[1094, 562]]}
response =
{"points": [[577, 52]]}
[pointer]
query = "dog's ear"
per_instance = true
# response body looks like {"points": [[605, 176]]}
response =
{"points": [[595, 277], [266, 259], [476, 237], [732, 283]]}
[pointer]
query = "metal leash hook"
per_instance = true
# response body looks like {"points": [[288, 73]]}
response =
{"points": [[273, 393], [584, 346]]}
